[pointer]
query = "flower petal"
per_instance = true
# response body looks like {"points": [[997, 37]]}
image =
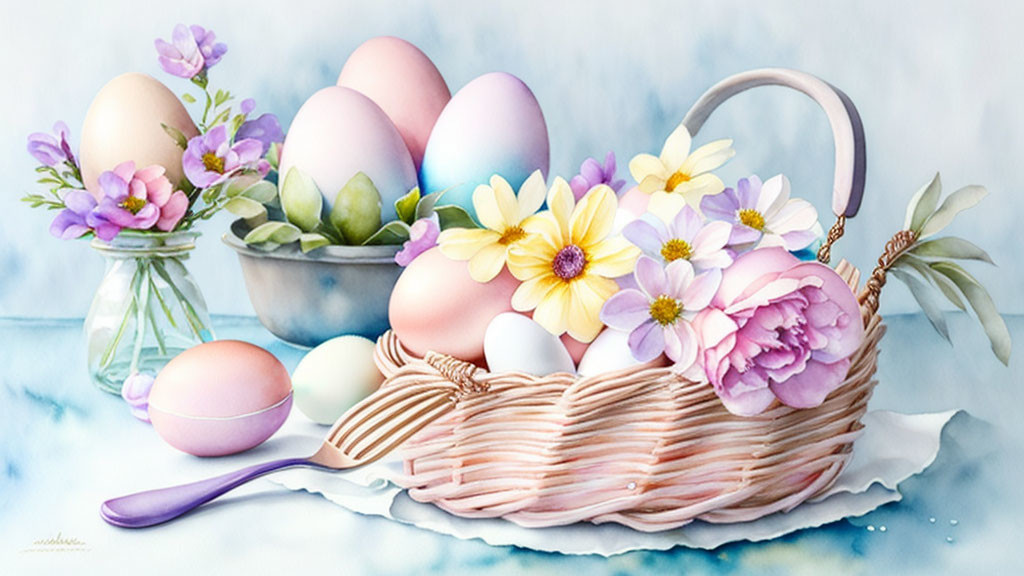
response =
{"points": [[697, 296], [665, 205], [676, 148], [529, 294], [688, 345], [644, 165], [646, 235], [531, 195], [774, 195], [552, 311], [699, 187], [594, 216], [588, 295], [708, 157], [561, 203], [686, 223], [626, 310], [647, 342], [810, 387], [796, 215], [722, 206], [749, 268], [612, 258], [486, 264], [463, 243], [172, 211], [748, 402], [678, 275]]}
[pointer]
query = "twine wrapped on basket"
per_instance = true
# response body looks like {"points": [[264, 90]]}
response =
{"points": [[643, 447]]}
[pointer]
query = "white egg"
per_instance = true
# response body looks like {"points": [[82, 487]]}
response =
{"points": [[334, 376], [515, 343], [607, 353]]}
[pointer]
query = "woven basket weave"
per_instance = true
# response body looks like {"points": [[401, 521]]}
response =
{"points": [[643, 447]]}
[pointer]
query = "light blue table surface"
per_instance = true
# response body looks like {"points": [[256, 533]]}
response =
{"points": [[65, 447]]}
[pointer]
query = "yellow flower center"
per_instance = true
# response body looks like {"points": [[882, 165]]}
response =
{"points": [[569, 262], [512, 235], [676, 249], [133, 204], [675, 180], [213, 163], [752, 218], [666, 310]]}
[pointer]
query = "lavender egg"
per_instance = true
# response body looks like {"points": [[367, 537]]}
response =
{"points": [[493, 125], [339, 132]]}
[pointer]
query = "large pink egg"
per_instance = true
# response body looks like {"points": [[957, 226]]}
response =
{"points": [[220, 398], [124, 123], [339, 132], [403, 82], [437, 306]]}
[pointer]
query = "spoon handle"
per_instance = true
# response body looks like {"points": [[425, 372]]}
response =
{"points": [[156, 506]]}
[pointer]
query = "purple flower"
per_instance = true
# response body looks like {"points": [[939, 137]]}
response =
{"points": [[247, 106], [136, 199], [265, 128], [211, 159], [71, 221], [422, 237], [190, 51], [764, 214], [686, 237], [592, 174], [658, 314], [135, 392], [51, 150]]}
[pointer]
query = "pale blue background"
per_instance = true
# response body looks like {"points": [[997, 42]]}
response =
{"points": [[938, 85]]}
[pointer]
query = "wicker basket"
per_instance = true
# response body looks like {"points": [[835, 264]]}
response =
{"points": [[642, 447]]}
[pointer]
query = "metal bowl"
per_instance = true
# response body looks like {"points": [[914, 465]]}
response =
{"points": [[307, 299]]}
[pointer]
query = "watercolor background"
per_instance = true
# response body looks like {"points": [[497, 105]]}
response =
{"points": [[938, 87]]}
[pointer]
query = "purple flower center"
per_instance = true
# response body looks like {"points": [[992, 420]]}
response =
{"points": [[569, 262], [213, 163]]}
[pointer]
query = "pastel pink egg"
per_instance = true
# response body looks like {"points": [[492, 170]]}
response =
{"points": [[436, 306], [403, 82], [339, 132], [220, 398]]}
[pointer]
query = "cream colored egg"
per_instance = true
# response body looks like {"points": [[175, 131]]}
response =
{"points": [[124, 123], [610, 352], [334, 376], [515, 343]]}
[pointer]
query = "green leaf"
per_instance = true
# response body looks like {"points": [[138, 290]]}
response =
{"points": [[235, 186], [945, 285], [926, 299], [426, 205], [406, 206], [245, 207], [923, 204], [453, 216], [954, 204], [951, 247], [188, 98], [356, 212], [392, 233], [221, 97], [261, 192], [221, 117], [311, 241], [274, 155], [981, 302], [276, 232], [177, 135], [301, 200]]}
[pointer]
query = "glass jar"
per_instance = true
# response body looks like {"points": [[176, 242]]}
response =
{"points": [[147, 309]]}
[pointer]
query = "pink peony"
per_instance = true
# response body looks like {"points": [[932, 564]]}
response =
{"points": [[778, 328]]}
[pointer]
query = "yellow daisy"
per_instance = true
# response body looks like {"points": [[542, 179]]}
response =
{"points": [[503, 216], [678, 171], [568, 261]]}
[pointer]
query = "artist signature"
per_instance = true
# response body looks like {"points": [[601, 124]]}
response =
{"points": [[58, 543]]}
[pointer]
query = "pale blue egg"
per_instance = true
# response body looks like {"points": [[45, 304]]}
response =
{"points": [[494, 125]]}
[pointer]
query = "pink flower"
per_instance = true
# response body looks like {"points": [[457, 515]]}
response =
{"points": [[138, 200], [778, 328]]}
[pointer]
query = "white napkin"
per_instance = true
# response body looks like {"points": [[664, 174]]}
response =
{"points": [[894, 447]]}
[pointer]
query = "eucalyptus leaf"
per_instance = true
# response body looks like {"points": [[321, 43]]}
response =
{"points": [[923, 204], [426, 206], [926, 298], [951, 247], [405, 206], [981, 302], [945, 285], [301, 200], [277, 232], [356, 212], [177, 135], [244, 207], [453, 216], [310, 241], [392, 233], [955, 203]]}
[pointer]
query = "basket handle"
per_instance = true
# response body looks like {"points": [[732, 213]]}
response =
{"points": [[847, 131]]}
